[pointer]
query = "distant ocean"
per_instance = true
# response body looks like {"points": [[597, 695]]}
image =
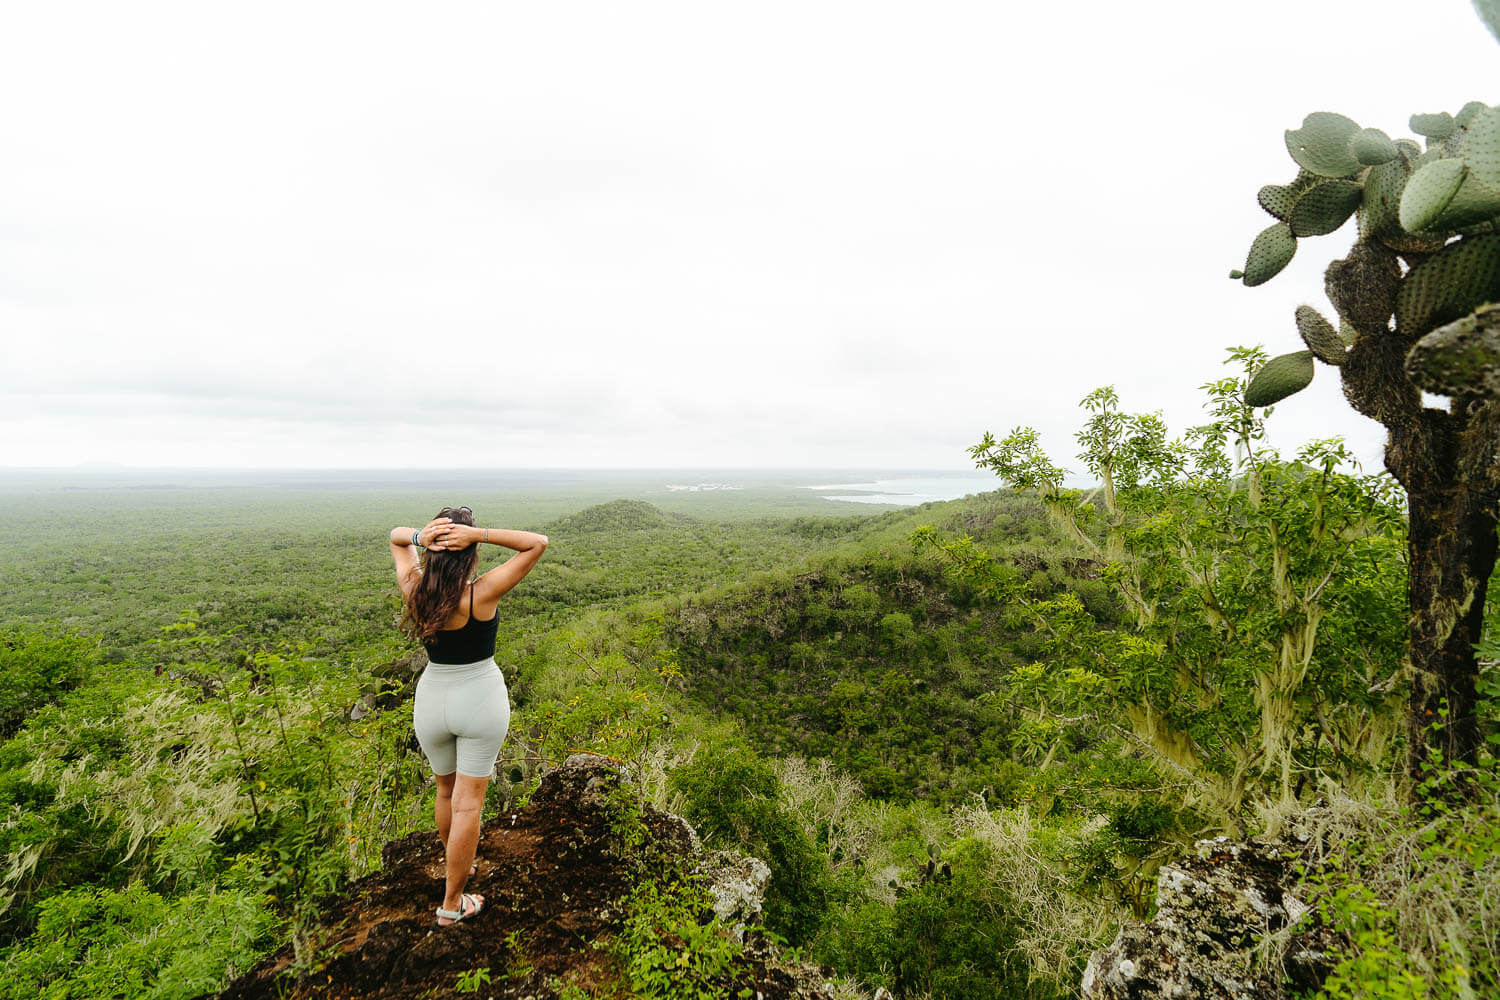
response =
{"points": [[904, 491]]}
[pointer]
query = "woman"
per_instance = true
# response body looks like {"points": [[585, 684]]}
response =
{"points": [[462, 710]]}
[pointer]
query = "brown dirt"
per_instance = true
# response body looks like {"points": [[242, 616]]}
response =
{"points": [[554, 878]]}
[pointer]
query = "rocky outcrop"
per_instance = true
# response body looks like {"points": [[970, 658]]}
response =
{"points": [[556, 876], [737, 886], [1229, 925]]}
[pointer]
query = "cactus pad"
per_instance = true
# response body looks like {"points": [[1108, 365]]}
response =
{"points": [[1320, 336], [1277, 199], [1482, 148], [1461, 358], [1380, 207], [1324, 207], [1280, 199], [1474, 203], [1321, 145], [1489, 13], [1435, 128], [1468, 113], [1279, 378], [1449, 284], [1271, 251], [1379, 211], [1372, 147], [1428, 192]]}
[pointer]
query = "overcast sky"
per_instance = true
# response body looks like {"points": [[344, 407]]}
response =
{"points": [[649, 234]]}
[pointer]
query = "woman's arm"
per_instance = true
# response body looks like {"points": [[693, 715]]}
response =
{"points": [[405, 554], [492, 586]]}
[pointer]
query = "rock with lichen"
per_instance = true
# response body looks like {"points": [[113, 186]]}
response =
{"points": [[737, 889], [1229, 924]]}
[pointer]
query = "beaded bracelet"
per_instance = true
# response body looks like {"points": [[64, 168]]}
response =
{"points": [[415, 535]]}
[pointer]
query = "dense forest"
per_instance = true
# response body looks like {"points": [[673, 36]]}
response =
{"points": [[964, 736]]}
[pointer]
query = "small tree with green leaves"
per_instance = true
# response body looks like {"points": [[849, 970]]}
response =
{"points": [[1263, 624], [1414, 298]]}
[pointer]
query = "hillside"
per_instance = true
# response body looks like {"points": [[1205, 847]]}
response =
{"points": [[877, 661], [564, 878], [925, 742], [617, 515]]}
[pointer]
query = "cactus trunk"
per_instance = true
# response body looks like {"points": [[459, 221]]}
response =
{"points": [[1451, 554]]}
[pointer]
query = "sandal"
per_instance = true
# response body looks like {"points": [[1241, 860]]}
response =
{"points": [[475, 903]]}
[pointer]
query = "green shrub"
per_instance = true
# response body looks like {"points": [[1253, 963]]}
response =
{"points": [[955, 935], [733, 796], [1412, 889], [133, 942], [35, 667], [669, 955]]}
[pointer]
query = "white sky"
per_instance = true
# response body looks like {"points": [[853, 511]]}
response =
{"points": [[646, 234]]}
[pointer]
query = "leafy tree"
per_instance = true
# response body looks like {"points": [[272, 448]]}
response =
{"points": [[1250, 585], [1411, 297]]}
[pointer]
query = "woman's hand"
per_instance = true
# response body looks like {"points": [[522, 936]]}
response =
{"points": [[452, 537], [432, 535]]}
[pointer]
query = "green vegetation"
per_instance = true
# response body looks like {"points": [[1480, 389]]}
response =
{"points": [[668, 954], [963, 759], [731, 795], [1428, 258], [35, 670], [1247, 584]]}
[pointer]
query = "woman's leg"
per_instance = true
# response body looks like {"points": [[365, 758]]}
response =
{"points": [[442, 811], [442, 808], [466, 802]]}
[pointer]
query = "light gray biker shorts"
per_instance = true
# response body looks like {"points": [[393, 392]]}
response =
{"points": [[461, 715]]}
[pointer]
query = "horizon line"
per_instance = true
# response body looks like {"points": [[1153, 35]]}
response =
{"points": [[480, 470]]}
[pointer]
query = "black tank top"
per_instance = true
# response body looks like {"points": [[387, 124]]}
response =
{"points": [[469, 643]]}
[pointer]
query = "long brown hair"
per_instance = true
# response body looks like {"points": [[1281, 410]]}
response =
{"points": [[440, 587]]}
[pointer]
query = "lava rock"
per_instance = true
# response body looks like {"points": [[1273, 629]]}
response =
{"points": [[556, 877], [1214, 912]]}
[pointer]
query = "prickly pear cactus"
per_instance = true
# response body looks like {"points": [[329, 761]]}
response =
{"points": [[1271, 251], [1320, 337], [1418, 315], [1324, 145], [1449, 284], [1324, 207], [1437, 208], [1279, 378], [1489, 13], [1461, 359], [1435, 128], [1280, 199], [1372, 147], [1428, 192]]}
